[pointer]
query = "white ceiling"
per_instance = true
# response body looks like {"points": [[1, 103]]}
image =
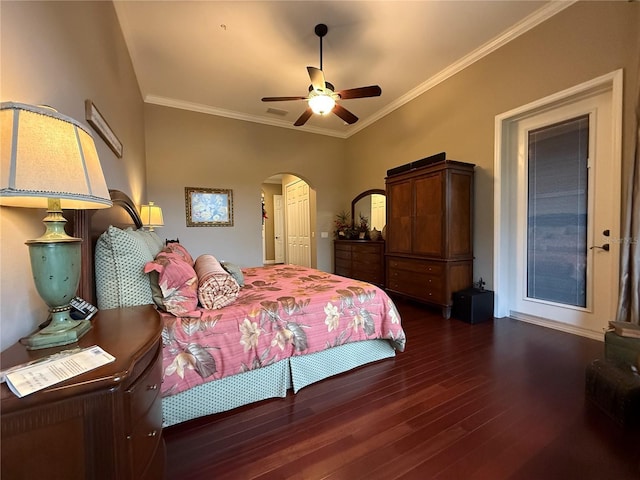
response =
{"points": [[223, 57]]}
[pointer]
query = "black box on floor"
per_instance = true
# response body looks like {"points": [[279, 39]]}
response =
{"points": [[473, 305], [615, 389]]}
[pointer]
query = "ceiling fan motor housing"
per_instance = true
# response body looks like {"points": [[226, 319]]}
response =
{"points": [[329, 86], [321, 30]]}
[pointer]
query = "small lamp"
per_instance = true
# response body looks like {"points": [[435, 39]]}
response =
{"points": [[151, 216], [49, 160]]}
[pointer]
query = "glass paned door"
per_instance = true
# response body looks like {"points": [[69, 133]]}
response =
{"points": [[557, 212], [565, 260]]}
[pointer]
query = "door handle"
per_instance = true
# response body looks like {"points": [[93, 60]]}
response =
{"points": [[604, 247]]}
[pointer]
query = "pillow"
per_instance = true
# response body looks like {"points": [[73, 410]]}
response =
{"points": [[151, 239], [234, 271], [177, 282], [216, 288], [156, 291], [176, 247], [120, 258]]}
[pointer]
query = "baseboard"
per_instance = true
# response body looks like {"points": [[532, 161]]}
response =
{"points": [[563, 327]]}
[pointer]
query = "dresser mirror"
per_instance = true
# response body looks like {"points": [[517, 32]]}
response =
{"points": [[372, 205]]}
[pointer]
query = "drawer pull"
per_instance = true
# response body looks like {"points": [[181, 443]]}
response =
{"points": [[152, 387], [152, 434]]}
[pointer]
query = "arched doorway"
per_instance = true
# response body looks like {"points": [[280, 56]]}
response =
{"points": [[289, 219]]}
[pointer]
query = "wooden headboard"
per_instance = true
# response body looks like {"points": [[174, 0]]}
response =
{"points": [[90, 224]]}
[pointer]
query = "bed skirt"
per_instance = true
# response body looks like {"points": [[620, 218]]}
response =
{"points": [[272, 381]]}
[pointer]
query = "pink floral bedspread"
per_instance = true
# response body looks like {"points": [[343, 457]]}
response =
{"points": [[282, 311]]}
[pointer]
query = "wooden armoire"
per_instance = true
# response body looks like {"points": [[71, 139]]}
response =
{"points": [[429, 233]]}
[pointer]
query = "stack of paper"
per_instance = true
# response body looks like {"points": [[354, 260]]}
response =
{"points": [[25, 379]]}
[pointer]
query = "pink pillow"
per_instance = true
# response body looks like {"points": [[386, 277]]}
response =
{"points": [[176, 248], [178, 283], [216, 287]]}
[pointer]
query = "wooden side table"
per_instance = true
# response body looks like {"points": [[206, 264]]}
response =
{"points": [[103, 424]]}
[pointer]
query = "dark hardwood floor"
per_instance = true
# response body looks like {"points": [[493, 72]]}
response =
{"points": [[495, 400]]}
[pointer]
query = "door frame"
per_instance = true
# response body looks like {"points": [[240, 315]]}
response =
{"points": [[279, 221], [504, 175]]}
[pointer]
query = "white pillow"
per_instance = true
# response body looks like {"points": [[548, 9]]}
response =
{"points": [[120, 258]]}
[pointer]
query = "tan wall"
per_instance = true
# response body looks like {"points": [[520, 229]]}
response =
{"points": [[584, 41], [188, 149], [59, 54]]}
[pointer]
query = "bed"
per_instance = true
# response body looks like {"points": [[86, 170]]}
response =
{"points": [[284, 328]]}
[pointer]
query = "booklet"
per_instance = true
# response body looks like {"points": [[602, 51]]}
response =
{"points": [[25, 379], [625, 329]]}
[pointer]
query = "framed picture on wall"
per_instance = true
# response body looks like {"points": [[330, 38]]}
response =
{"points": [[100, 125], [209, 207]]}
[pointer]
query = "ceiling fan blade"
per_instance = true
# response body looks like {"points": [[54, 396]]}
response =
{"points": [[317, 79], [304, 117], [345, 114], [361, 92], [281, 99]]}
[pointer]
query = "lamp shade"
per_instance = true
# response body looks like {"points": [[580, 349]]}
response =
{"points": [[321, 104], [151, 215], [46, 155]]}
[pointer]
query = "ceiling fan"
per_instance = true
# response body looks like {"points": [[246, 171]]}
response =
{"points": [[322, 95]]}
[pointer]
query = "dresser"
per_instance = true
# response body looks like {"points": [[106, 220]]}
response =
{"points": [[429, 237], [360, 259], [103, 424]]}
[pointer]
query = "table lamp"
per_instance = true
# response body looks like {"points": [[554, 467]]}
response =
{"points": [[49, 160], [151, 216]]}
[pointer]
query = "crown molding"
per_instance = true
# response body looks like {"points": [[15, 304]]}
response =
{"points": [[526, 24], [220, 112]]}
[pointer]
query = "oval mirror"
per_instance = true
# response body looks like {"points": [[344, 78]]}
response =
{"points": [[371, 204]]}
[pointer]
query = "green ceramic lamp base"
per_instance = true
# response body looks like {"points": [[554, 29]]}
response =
{"points": [[55, 264], [75, 329]]}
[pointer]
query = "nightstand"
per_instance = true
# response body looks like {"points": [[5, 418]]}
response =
{"points": [[103, 424]]}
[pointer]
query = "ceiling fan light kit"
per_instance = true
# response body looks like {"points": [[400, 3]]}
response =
{"points": [[320, 103], [322, 98]]}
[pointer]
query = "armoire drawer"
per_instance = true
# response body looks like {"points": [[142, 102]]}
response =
{"points": [[419, 285], [417, 266]]}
